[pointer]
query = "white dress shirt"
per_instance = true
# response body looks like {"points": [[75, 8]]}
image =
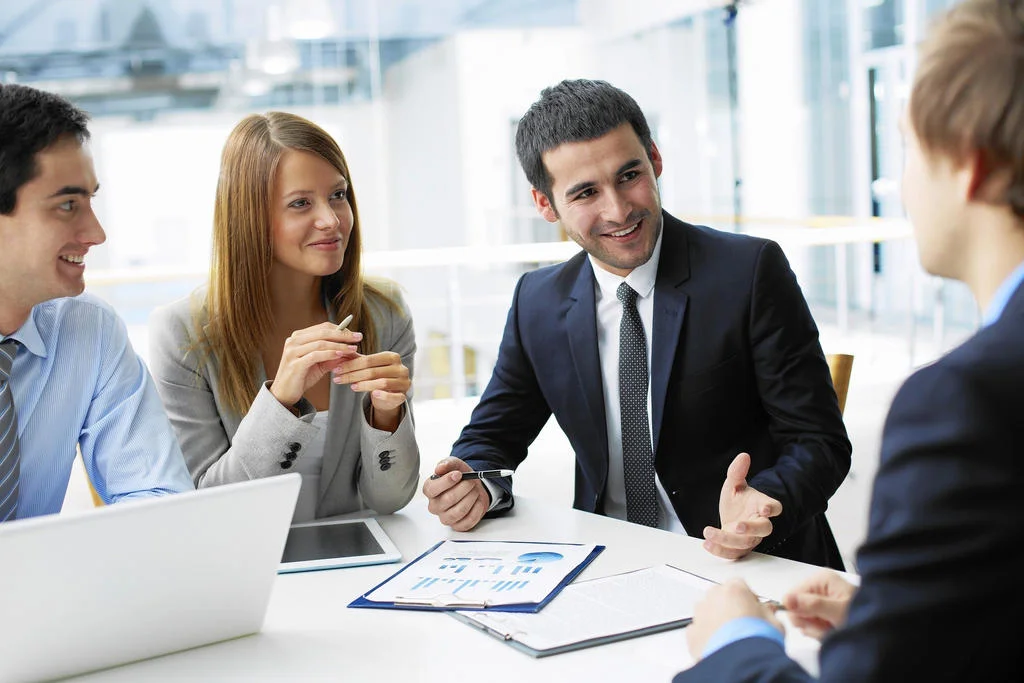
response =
{"points": [[310, 466], [609, 317]]}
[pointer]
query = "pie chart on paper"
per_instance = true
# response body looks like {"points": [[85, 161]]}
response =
{"points": [[540, 557]]}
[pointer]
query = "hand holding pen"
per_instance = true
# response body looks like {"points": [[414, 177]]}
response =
{"points": [[820, 603], [481, 474], [308, 355], [456, 495], [383, 375]]}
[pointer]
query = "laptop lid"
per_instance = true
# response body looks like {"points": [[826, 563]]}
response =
{"points": [[137, 579]]}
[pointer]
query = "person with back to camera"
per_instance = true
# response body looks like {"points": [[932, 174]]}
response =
{"points": [[939, 596], [289, 360]]}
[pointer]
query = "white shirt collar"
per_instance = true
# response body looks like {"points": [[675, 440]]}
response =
{"points": [[641, 278]]}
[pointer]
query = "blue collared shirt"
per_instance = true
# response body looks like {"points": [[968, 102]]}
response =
{"points": [[739, 629], [1002, 296], [76, 380]]}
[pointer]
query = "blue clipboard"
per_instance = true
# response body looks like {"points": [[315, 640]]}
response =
{"points": [[448, 605]]}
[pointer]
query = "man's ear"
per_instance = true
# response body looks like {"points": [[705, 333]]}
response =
{"points": [[544, 206], [656, 160], [985, 180]]}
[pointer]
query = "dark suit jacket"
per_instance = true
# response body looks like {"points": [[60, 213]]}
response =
{"points": [[735, 366], [940, 596]]}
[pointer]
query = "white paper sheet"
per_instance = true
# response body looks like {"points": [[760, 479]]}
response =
{"points": [[600, 608], [484, 572]]}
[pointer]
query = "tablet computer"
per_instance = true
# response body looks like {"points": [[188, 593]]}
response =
{"points": [[341, 543]]}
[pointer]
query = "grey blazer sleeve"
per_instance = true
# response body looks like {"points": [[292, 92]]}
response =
{"points": [[219, 446], [388, 465]]}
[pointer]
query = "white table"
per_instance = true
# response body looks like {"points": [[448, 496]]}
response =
{"points": [[310, 635]]}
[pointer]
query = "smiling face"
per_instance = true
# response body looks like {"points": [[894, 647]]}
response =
{"points": [[49, 232], [605, 197], [311, 217]]}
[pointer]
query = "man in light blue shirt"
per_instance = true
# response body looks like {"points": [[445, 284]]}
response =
{"points": [[68, 369]]}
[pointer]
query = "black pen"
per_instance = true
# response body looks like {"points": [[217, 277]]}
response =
{"points": [[481, 474]]}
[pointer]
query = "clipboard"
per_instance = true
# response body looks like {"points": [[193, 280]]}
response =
{"points": [[596, 612], [438, 597]]}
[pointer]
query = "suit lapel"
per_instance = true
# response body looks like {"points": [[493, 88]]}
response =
{"points": [[670, 301], [581, 326]]}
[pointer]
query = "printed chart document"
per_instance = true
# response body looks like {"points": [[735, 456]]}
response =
{"points": [[600, 611], [498, 575]]}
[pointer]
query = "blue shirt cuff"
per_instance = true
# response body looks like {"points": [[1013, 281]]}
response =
{"points": [[738, 629]]}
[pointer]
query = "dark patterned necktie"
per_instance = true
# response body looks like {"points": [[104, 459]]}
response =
{"points": [[637, 458], [9, 458]]}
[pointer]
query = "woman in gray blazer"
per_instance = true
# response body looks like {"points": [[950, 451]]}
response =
{"points": [[256, 374]]}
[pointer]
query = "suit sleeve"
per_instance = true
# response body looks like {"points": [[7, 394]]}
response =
{"points": [[942, 539], [942, 552], [213, 458], [752, 660], [512, 410], [796, 391]]}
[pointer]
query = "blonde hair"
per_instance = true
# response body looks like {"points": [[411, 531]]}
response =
{"points": [[968, 92], [238, 298]]}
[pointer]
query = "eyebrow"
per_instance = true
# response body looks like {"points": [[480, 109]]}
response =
{"points": [[74, 190], [341, 183], [579, 187]]}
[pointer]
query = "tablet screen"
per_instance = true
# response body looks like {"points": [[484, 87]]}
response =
{"points": [[326, 541]]}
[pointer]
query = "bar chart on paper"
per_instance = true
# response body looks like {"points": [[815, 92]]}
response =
{"points": [[491, 572]]}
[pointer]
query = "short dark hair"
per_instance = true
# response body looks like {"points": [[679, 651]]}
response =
{"points": [[573, 111], [30, 121]]}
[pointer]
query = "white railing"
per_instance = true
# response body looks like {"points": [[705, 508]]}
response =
{"points": [[452, 260]]}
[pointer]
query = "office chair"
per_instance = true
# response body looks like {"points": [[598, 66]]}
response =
{"points": [[96, 500], [840, 365]]}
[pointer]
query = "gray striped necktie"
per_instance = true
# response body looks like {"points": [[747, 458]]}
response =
{"points": [[10, 460], [637, 456]]}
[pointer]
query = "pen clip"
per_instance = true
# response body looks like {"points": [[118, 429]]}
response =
{"points": [[446, 600]]}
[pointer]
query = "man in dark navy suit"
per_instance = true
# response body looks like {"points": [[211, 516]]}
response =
{"points": [[940, 596], [681, 362]]}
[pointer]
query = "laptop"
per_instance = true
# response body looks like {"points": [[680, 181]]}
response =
{"points": [[137, 579]]}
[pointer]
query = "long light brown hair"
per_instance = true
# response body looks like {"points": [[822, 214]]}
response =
{"points": [[238, 297]]}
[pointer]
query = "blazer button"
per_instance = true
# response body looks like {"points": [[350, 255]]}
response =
{"points": [[384, 454], [290, 455], [285, 464], [385, 466], [295, 446]]}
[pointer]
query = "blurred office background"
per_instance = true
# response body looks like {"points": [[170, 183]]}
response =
{"points": [[776, 117]]}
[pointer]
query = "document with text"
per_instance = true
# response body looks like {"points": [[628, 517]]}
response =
{"points": [[483, 575], [600, 611]]}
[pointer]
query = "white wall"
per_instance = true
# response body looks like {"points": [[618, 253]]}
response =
{"points": [[500, 74], [773, 138], [424, 173]]}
